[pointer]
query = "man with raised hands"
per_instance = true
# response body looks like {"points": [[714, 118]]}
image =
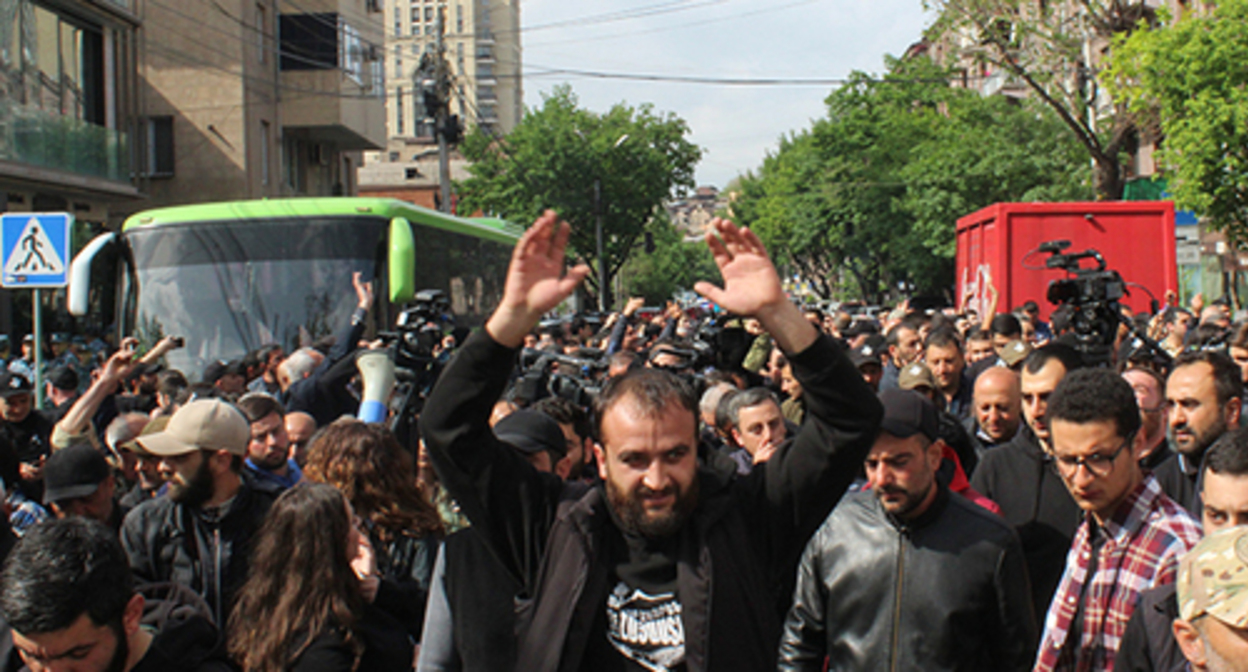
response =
{"points": [[668, 563]]}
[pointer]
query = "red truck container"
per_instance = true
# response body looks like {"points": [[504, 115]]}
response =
{"points": [[1136, 238]]}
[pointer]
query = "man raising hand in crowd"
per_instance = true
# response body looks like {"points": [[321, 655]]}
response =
{"points": [[690, 551]]}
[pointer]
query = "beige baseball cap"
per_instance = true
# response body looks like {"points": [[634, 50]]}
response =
{"points": [[206, 424], [1213, 578], [916, 375]]}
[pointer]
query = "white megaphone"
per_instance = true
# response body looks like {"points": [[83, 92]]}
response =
{"points": [[377, 372]]}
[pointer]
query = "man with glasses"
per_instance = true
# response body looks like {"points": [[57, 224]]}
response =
{"points": [[1132, 535]]}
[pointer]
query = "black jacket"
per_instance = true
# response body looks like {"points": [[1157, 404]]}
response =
{"points": [[740, 547], [1148, 645], [947, 591], [387, 648], [1180, 477], [323, 394], [170, 542], [1035, 501]]}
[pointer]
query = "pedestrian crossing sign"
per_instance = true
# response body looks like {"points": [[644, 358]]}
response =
{"points": [[34, 249]]}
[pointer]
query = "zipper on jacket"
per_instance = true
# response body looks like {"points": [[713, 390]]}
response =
{"points": [[216, 561], [901, 576]]}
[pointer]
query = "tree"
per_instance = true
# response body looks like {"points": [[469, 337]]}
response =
{"points": [[1053, 48], [1189, 77], [622, 164], [673, 265], [868, 197]]}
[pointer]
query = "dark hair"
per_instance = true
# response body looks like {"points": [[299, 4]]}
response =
{"points": [[267, 351], [566, 413], [300, 583], [170, 382], [1207, 335], [976, 333], [912, 321], [749, 399], [653, 390], [1040, 358], [257, 406], [1093, 395], [367, 464], [1227, 383], [1229, 453], [1006, 324], [1172, 315], [62, 569], [943, 338]]}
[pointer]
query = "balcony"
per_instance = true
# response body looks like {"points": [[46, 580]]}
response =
{"points": [[332, 82], [38, 138]]}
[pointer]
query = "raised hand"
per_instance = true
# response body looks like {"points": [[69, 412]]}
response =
{"points": [[536, 281], [752, 286]]}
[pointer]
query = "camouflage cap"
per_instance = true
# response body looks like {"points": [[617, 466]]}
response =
{"points": [[1213, 578]]}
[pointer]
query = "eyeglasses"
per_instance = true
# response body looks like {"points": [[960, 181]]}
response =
{"points": [[1099, 465]]}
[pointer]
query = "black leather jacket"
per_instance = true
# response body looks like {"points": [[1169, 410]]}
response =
{"points": [[947, 591], [169, 542]]}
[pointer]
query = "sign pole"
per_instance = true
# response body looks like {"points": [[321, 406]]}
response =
{"points": [[36, 309]]}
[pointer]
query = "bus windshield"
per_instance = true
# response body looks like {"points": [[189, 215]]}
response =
{"points": [[230, 287]]}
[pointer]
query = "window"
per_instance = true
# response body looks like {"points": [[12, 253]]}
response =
{"points": [[459, 19], [265, 138], [158, 132], [428, 14], [411, 173], [262, 29], [415, 15], [398, 111]]}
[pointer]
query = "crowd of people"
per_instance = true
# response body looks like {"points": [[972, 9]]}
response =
{"points": [[790, 489]]}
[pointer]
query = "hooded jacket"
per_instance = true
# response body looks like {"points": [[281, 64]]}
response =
{"points": [[737, 553]]}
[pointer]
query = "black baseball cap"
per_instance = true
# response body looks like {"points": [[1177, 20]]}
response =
{"points": [[532, 432], [12, 384], [907, 413], [63, 378], [76, 471], [865, 354]]}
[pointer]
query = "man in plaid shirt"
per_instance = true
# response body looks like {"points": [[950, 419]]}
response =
{"points": [[1132, 535]]}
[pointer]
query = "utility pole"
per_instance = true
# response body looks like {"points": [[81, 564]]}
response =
{"points": [[434, 81]]}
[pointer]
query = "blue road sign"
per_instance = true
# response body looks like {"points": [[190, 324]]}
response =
{"points": [[34, 249]]}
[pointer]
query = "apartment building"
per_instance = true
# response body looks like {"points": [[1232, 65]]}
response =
{"points": [[258, 98], [68, 106], [481, 45]]}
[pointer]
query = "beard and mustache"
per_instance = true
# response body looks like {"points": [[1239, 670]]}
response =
{"points": [[635, 519], [197, 490]]}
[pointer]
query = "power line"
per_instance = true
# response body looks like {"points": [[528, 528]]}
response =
{"points": [[625, 15], [679, 26]]}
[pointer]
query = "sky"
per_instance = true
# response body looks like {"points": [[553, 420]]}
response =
{"points": [[714, 39]]}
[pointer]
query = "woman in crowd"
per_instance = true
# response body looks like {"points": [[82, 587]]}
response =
{"points": [[366, 463], [306, 605]]}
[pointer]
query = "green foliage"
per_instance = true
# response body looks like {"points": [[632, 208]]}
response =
{"points": [[674, 265], [1043, 48], [556, 154], [867, 199], [1190, 78]]}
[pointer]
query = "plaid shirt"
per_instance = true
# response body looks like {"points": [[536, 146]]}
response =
{"points": [[1143, 542]]}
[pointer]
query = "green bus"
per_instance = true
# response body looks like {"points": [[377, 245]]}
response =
{"points": [[231, 277]]}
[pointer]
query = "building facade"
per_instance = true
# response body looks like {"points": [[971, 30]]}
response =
{"points": [[258, 98], [68, 106], [481, 45]]}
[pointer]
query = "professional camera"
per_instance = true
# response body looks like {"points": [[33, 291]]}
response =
{"points": [[421, 326], [1091, 300]]}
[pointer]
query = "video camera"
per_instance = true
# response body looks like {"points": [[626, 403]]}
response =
{"points": [[1091, 298]]}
